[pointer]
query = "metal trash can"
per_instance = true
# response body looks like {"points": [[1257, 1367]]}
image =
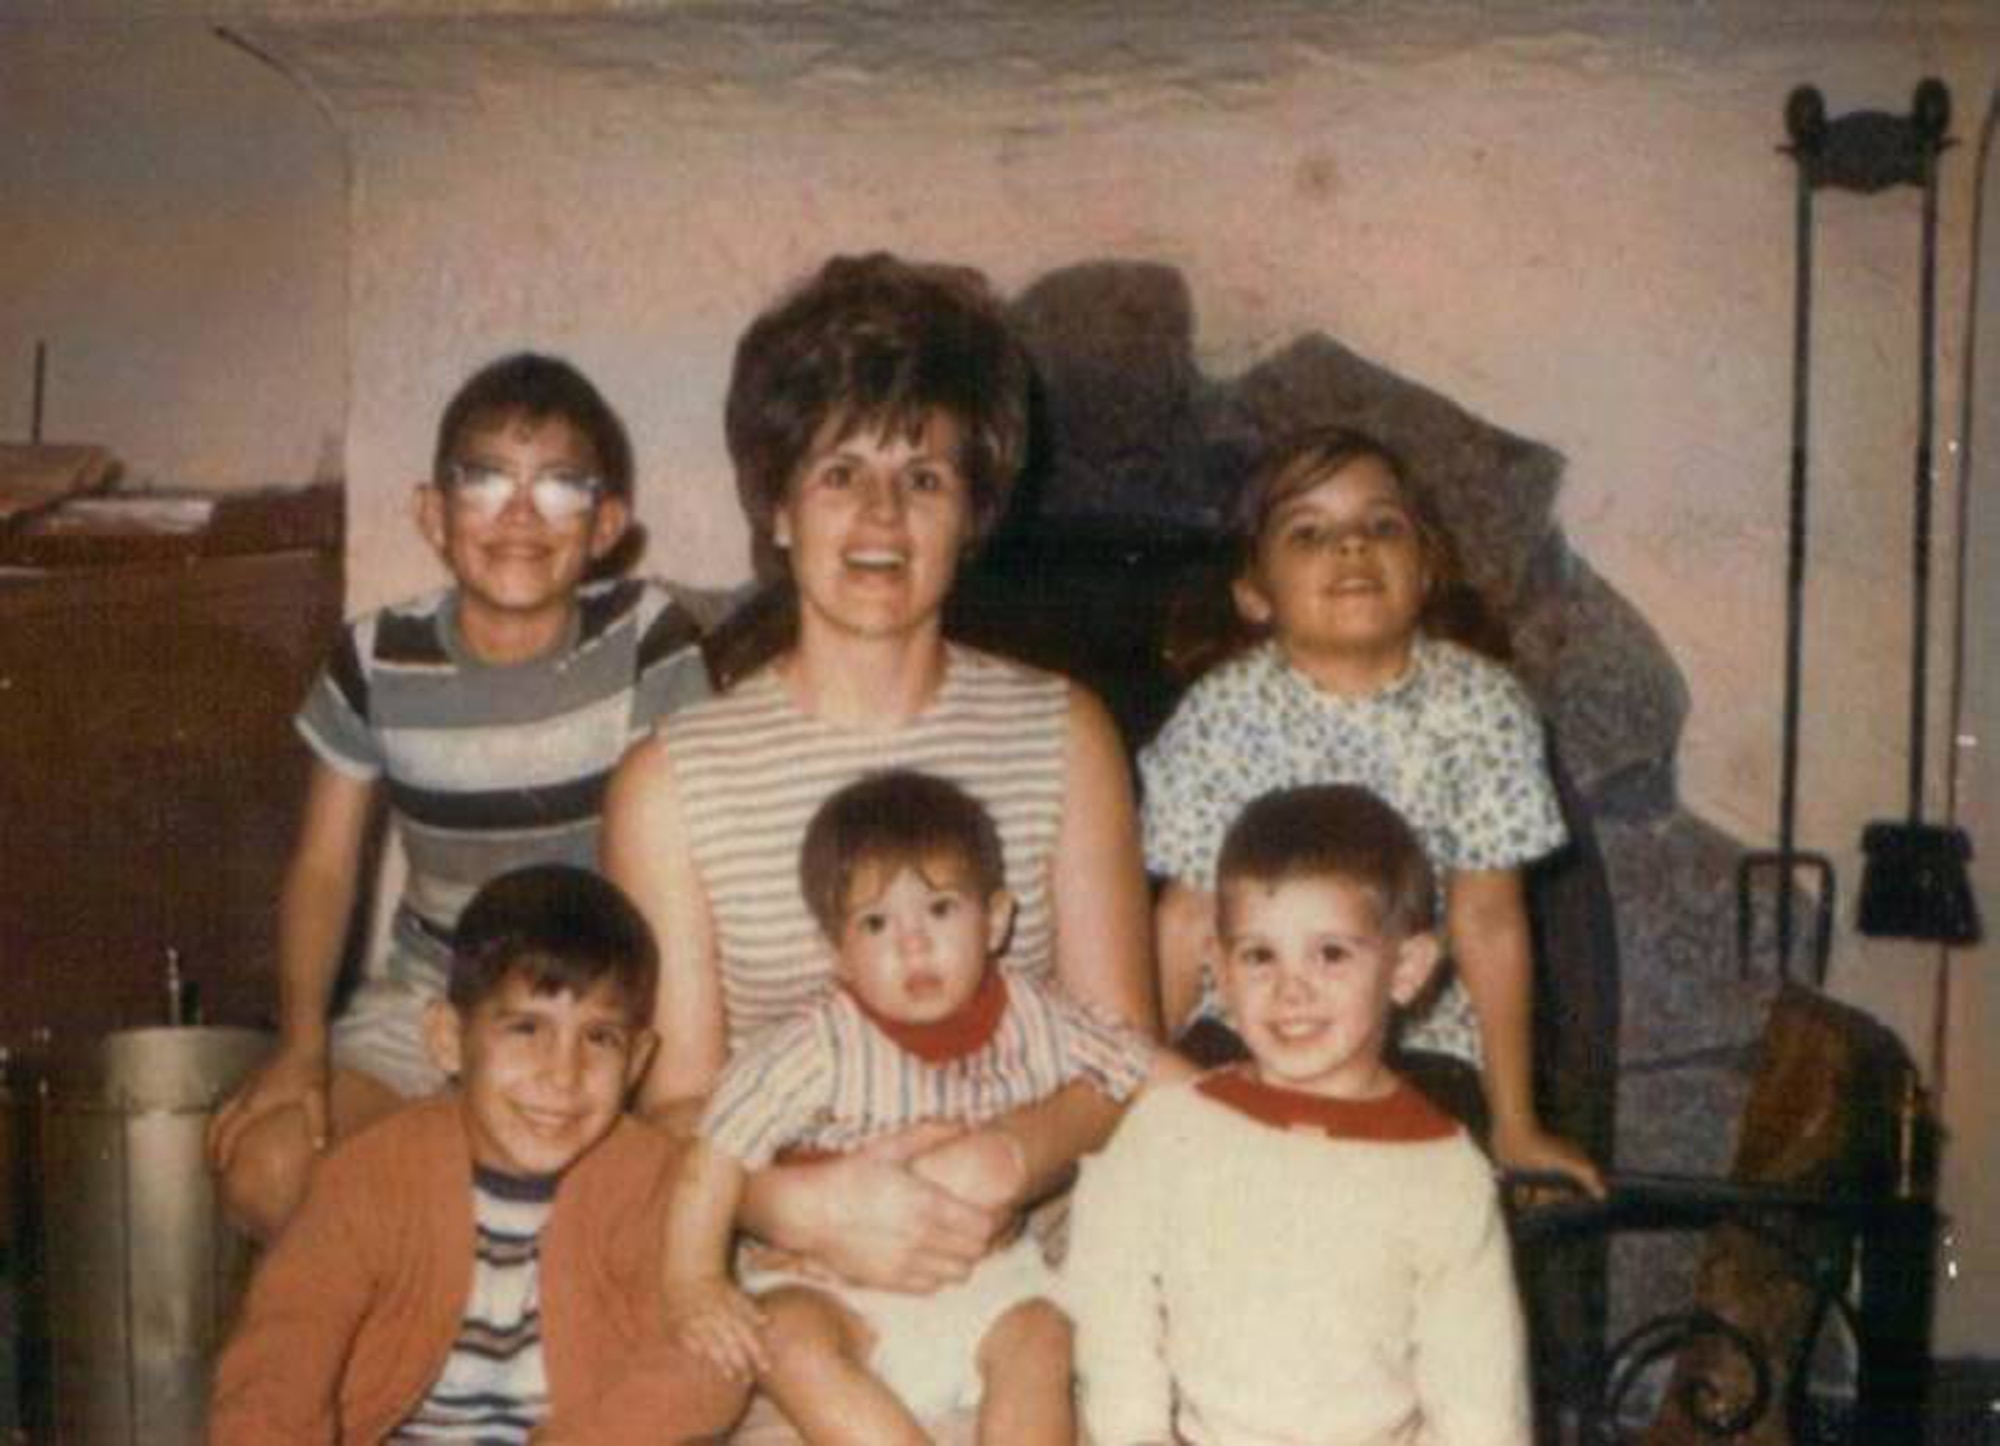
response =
{"points": [[141, 1275]]}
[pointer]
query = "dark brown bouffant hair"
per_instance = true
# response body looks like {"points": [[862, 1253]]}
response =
{"points": [[866, 342], [563, 929], [892, 821], [1333, 831], [878, 342], [536, 388]]}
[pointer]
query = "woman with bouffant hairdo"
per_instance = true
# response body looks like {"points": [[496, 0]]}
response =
{"points": [[877, 418]]}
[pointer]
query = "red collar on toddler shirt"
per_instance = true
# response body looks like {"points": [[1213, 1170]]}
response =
{"points": [[964, 1030], [1401, 1116]]}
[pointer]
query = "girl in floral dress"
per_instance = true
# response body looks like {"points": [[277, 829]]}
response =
{"points": [[1344, 565]]}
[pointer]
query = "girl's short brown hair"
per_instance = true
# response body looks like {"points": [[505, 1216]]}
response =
{"points": [[1204, 628]]}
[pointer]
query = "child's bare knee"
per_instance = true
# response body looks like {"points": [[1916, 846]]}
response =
{"points": [[266, 1177], [1035, 1331]]}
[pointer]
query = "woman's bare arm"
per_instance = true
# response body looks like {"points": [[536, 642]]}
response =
{"points": [[1103, 942], [705, 1310], [1103, 929], [1184, 935]]}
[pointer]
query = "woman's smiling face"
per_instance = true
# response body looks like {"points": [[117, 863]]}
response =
{"points": [[875, 522]]}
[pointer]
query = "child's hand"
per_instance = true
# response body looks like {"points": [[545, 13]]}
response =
{"points": [[290, 1077], [1530, 1147], [981, 1167], [719, 1323]]}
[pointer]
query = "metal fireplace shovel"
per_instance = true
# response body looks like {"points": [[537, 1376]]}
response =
{"points": [[1914, 883]]}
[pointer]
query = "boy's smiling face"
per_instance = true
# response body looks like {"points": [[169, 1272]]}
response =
{"points": [[1309, 979], [517, 569], [541, 1077]]}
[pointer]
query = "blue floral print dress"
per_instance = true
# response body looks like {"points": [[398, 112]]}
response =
{"points": [[1455, 745]]}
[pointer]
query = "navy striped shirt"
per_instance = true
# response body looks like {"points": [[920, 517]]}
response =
{"points": [[494, 1389], [489, 768]]}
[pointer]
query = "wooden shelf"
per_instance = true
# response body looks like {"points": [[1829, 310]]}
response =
{"points": [[151, 782]]}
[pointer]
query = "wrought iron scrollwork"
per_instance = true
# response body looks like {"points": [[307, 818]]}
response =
{"points": [[1715, 1401], [1725, 1380]]}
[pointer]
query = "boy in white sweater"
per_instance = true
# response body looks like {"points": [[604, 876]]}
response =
{"points": [[1301, 1248]]}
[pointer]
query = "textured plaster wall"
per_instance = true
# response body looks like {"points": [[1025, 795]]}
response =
{"points": [[1970, 1287], [173, 224], [1576, 222], [1572, 218]]}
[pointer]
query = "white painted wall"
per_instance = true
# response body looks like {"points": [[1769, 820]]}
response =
{"points": [[1571, 217], [1969, 1283], [173, 223]]}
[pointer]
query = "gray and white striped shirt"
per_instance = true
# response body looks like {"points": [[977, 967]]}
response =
{"points": [[751, 769]]}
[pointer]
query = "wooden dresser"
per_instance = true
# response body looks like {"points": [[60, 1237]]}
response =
{"points": [[150, 781]]}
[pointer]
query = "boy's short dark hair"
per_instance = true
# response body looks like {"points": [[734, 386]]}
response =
{"points": [[878, 342], [1333, 830], [536, 388], [893, 820], [561, 928]]}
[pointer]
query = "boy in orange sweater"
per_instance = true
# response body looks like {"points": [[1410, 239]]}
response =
{"points": [[486, 1264]]}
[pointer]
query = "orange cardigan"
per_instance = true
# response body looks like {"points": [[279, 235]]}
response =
{"points": [[351, 1315]]}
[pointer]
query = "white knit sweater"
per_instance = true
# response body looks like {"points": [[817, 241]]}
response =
{"points": [[1247, 1285]]}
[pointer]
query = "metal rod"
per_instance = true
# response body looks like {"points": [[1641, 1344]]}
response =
{"points": [[41, 377], [1921, 533], [1795, 561]]}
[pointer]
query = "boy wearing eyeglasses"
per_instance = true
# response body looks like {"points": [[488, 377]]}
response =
{"points": [[490, 713]]}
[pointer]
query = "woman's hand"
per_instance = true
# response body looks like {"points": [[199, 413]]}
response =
{"points": [[870, 1219], [984, 1167]]}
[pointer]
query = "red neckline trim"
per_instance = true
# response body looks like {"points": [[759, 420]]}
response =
{"points": [[965, 1030], [1401, 1116]]}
